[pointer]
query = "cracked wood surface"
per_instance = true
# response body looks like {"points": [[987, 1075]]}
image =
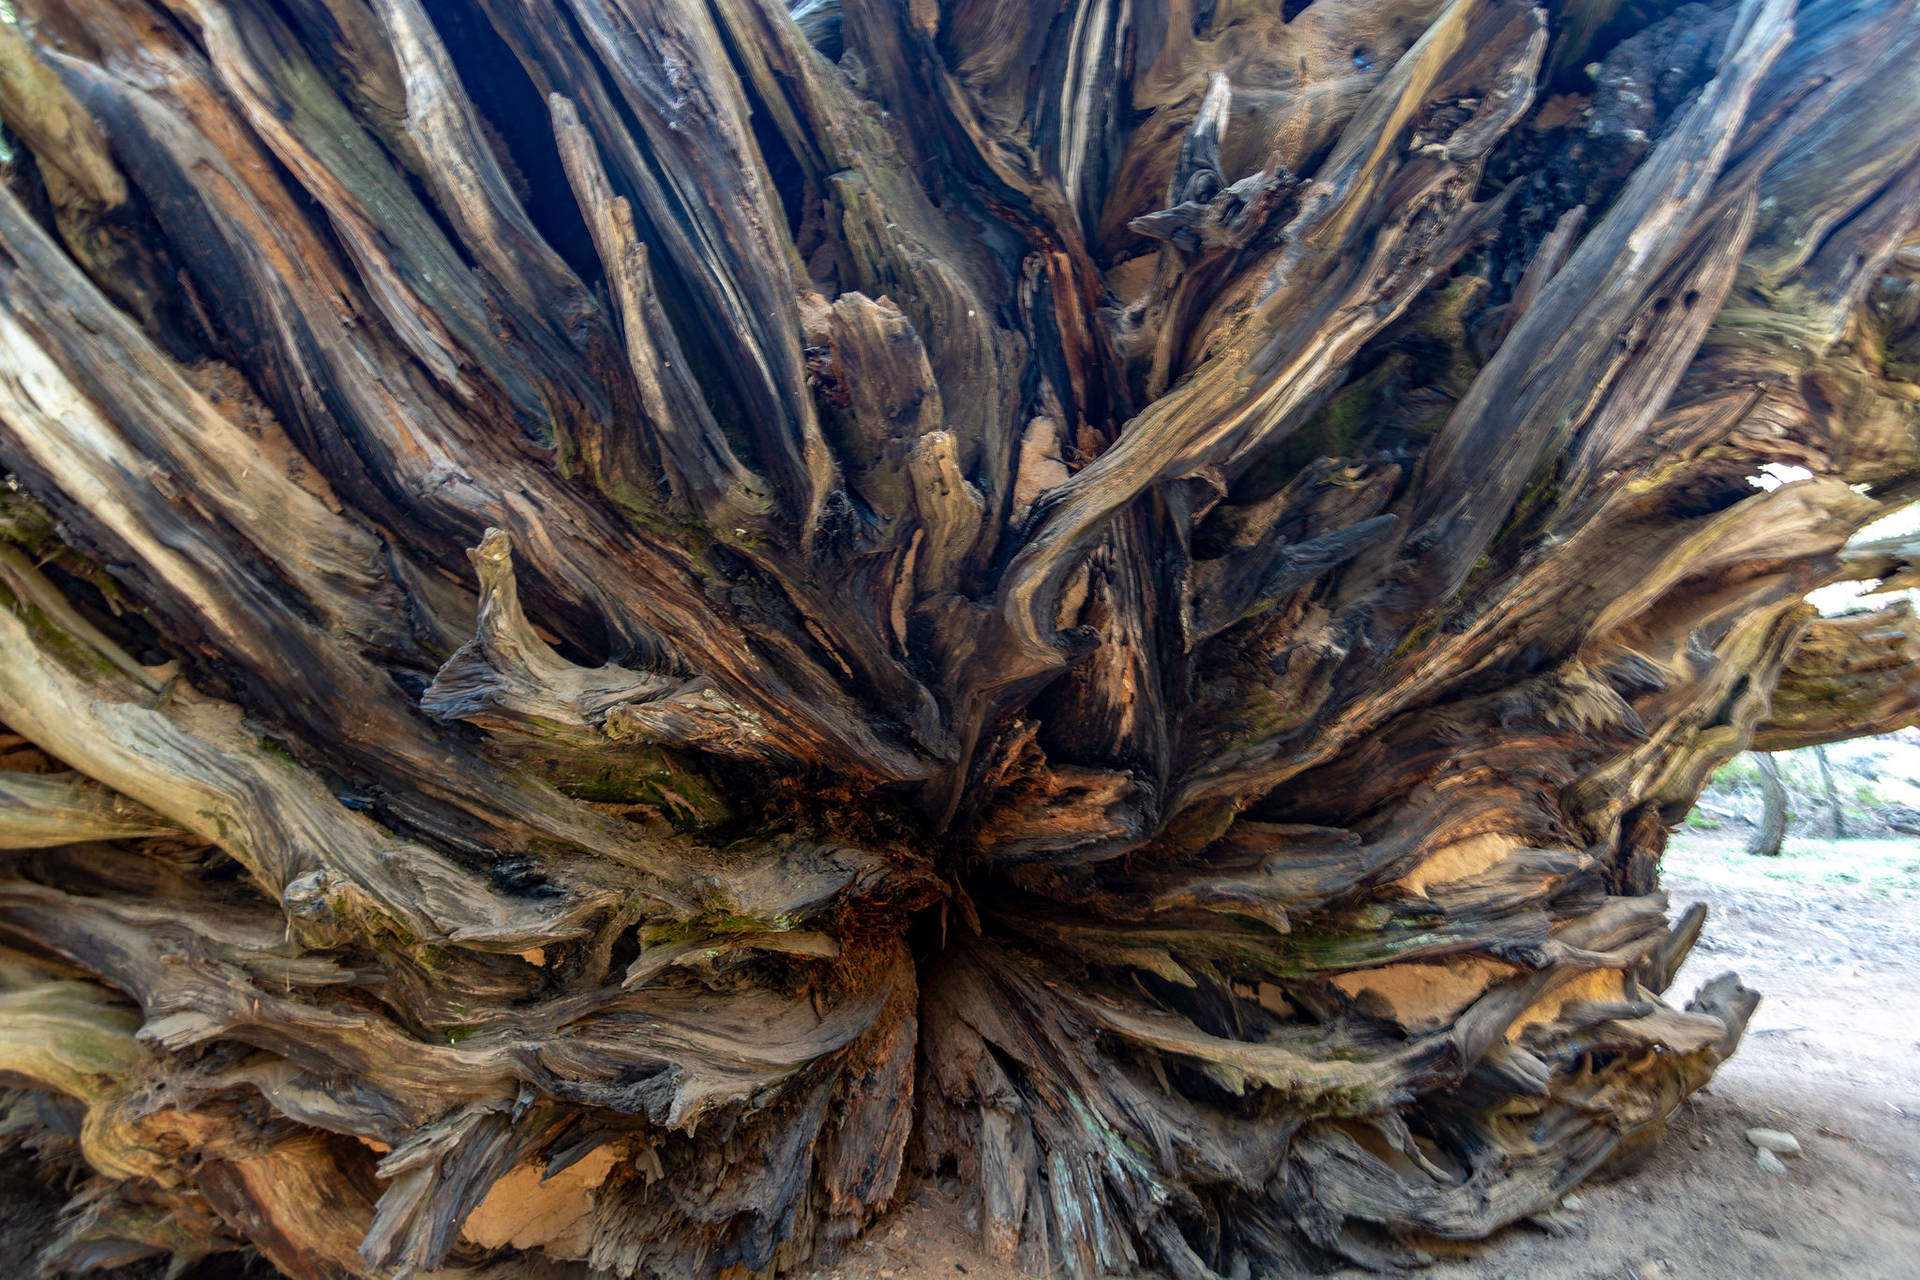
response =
{"points": [[624, 623]]}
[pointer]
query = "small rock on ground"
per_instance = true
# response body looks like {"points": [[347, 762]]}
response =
{"points": [[1777, 1141]]}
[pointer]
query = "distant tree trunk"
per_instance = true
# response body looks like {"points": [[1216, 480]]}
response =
{"points": [[1772, 833], [629, 622], [1836, 813]]}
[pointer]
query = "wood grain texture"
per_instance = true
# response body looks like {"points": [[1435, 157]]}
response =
{"points": [[626, 624]]}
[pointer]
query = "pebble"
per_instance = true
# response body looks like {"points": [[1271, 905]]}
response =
{"points": [[1777, 1141], [1769, 1161], [1572, 1204]]}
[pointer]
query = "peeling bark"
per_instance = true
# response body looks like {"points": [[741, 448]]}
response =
{"points": [[625, 624]]}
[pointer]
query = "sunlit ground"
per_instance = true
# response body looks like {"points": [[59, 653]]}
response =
{"points": [[1886, 866]]}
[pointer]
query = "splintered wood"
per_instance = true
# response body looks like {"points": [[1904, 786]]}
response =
{"points": [[627, 624]]}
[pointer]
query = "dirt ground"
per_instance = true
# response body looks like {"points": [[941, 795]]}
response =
{"points": [[1830, 934]]}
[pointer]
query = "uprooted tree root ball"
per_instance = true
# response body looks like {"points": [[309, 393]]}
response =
{"points": [[628, 623]]}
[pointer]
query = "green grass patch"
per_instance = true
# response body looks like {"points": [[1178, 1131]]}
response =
{"points": [[1889, 865]]}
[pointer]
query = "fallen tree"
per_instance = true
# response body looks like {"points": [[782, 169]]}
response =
{"points": [[628, 622]]}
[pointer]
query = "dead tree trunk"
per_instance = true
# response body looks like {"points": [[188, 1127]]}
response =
{"points": [[625, 620], [1772, 832]]}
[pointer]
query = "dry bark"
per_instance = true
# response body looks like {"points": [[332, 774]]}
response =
{"points": [[626, 622]]}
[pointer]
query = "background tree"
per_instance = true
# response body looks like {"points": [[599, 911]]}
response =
{"points": [[1771, 834], [628, 619]]}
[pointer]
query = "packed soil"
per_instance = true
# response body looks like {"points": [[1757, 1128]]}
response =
{"points": [[1830, 934]]}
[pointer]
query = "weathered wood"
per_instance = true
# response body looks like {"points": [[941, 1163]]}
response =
{"points": [[1848, 674], [624, 623]]}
